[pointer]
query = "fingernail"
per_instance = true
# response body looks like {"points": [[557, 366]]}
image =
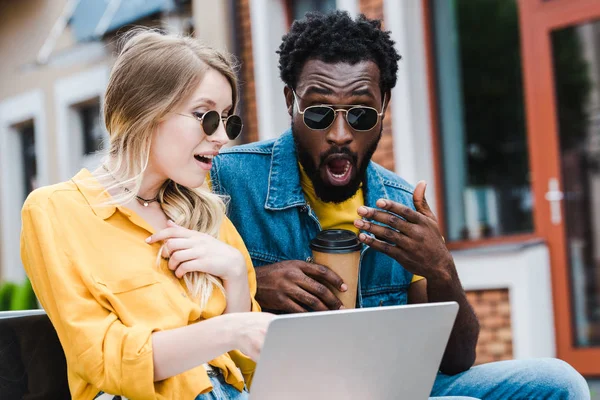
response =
{"points": [[362, 236], [148, 239], [359, 223], [381, 203], [362, 210], [342, 307], [344, 287]]}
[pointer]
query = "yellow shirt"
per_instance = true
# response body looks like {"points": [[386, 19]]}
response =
{"points": [[335, 215], [99, 283]]}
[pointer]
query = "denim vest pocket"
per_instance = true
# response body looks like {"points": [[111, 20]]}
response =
{"points": [[385, 296], [260, 258]]}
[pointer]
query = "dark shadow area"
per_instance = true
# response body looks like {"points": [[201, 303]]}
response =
{"points": [[32, 363]]}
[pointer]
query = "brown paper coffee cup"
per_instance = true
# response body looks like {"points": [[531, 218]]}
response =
{"points": [[339, 250]]}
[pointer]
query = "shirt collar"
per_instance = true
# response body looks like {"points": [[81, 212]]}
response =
{"points": [[94, 193], [285, 190]]}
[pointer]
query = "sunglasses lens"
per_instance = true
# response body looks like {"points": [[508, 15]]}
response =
{"points": [[318, 117], [362, 118], [233, 126], [210, 122]]}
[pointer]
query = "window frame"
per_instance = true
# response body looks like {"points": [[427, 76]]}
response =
{"points": [[14, 111], [437, 149]]}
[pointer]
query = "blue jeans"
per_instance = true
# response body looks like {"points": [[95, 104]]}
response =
{"points": [[222, 391], [544, 378]]}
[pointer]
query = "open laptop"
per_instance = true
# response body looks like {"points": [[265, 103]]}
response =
{"points": [[371, 353]]}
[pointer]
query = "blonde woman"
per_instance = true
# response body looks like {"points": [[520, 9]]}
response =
{"points": [[147, 283]]}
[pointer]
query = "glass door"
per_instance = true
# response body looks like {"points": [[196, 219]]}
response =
{"points": [[561, 52]]}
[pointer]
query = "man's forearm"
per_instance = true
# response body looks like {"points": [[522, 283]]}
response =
{"points": [[460, 351]]}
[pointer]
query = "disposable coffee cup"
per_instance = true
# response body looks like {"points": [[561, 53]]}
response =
{"points": [[339, 250]]}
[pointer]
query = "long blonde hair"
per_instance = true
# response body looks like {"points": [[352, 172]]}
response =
{"points": [[152, 75]]}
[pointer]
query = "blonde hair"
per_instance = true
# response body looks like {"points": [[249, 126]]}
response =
{"points": [[152, 75]]}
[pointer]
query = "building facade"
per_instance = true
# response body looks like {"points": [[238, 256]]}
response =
{"points": [[497, 106]]}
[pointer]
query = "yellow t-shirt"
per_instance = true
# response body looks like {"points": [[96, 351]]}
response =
{"points": [[98, 281], [335, 215]]}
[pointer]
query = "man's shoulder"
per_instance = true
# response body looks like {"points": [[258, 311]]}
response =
{"points": [[264, 147], [245, 165], [393, 181]]}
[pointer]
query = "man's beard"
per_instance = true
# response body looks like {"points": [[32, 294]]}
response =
{"points": [[324, 191]]}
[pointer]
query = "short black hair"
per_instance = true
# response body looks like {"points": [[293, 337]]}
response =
{"points": [[336, 37]]}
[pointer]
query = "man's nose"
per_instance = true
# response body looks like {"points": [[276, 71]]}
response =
{"points": [[339, 132]]}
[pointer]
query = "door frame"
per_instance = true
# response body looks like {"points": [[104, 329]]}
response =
{"points": [[538, 18]]}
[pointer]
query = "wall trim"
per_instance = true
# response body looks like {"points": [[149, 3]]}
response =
{"points": [[411, 123], [352, 6], [15, 110], [70, 91], [525, 272], [268, 22]]}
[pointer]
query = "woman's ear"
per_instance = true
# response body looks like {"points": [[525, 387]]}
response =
{"points": [[289, 100]]}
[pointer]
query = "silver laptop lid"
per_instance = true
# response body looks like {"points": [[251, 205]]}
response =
{"points": [[370, 353]]}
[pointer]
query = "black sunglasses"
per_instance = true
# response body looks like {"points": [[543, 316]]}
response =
{"points": [[211, 120], [360, 118]]}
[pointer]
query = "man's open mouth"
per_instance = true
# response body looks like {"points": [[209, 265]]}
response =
{"points": [[338, 169]]}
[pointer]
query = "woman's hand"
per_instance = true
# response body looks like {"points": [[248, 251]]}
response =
{"points": [[189, 250], [250, 330]]}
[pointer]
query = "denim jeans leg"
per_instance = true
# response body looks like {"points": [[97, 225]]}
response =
{"points": [[544, 378], [222, 391]]}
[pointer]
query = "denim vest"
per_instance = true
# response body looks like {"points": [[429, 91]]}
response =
{"points": [[268, 208]]}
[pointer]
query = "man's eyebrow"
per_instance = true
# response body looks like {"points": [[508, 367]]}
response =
{"points": [[363, 92], [317, 90]]}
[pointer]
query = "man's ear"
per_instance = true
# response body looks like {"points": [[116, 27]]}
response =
{"points": [[387, 98], [289, 99]]}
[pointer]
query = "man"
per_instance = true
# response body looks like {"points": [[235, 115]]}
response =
{"points": [[338, 76]]}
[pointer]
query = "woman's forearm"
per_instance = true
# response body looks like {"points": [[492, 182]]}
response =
{"points": [[238, 295], [178, 350]]}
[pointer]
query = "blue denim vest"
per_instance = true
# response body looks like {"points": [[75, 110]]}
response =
{"points": [[268, 208]]}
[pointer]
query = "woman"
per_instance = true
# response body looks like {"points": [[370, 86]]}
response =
{"points": [[147, 283]]}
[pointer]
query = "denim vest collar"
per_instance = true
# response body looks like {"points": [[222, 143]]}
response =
{"points": [[285, 191]]}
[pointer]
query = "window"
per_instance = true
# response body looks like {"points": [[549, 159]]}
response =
{"points": [[26, 134], [485, 161], [91, 127], [300, 7]]}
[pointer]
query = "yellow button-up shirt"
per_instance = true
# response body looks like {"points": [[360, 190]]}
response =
{"points": [[99, 283]]}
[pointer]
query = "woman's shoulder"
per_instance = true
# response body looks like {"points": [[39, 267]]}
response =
{"points": [[52, 195], [69, 197], [228, 233]]}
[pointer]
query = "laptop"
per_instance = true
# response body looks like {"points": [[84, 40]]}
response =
{"points": [[370, 353]]}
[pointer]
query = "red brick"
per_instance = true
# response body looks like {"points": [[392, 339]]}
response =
{"points": [[247, 87]]}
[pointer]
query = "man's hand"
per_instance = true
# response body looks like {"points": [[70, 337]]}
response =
{"points": [[414, 240], [297, 286]]}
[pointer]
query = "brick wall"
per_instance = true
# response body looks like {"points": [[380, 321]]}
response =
{"points": [[247, 88], [495, 338], [385, 151]]}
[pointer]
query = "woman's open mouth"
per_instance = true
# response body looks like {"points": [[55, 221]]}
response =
{"points": [[204, 160]]}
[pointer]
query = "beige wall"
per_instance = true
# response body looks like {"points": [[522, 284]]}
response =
{"points": [[24, 27]]}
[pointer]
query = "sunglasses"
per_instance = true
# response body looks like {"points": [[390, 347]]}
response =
{"points": [[360, 118], [211, 120]]}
